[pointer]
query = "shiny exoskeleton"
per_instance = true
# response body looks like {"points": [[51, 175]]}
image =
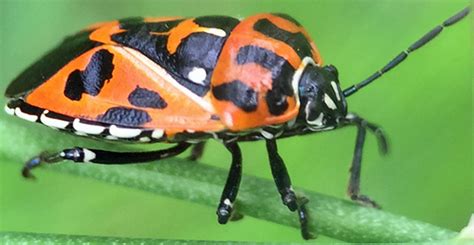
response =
{"points": [[186, 80]]}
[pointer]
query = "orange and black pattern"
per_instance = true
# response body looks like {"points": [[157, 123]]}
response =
{"points": [[252, 82], [205, 74]]}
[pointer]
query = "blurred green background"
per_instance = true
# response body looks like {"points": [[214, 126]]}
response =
{"points": [[425, 106]]}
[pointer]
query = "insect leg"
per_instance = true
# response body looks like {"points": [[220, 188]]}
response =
{"points": [[283, 183], [197, 150], [224, 210], [280, 175], [82, 155], [353, 189]]}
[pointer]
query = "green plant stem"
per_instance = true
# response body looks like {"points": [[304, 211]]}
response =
{"points": [[38, 238], [203, 184], [200, 183]]}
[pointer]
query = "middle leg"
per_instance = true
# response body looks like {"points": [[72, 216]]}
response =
{"points": [[283, 183]]}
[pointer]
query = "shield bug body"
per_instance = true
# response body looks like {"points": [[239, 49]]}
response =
{"points": [[187, 80]]}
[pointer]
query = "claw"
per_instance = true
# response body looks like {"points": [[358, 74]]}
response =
{"points": [[290, 201], [37, 161], [366, 201], [223, 213], [32, 163]]}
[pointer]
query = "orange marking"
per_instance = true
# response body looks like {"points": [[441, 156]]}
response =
{"points": [[183, 30], [181, 113], [105, 32], [259, 79]]}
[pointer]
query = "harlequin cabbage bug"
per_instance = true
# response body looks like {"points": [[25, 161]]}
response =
{"points": [[183, 81]]}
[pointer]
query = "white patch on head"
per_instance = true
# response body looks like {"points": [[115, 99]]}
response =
{"points": [[26, 116], [215, 31], [88, 155], [53, 122], [144, 139], [316, 122], [295, 81], [329, 102], [9, 111], [197, 75], [191, 131], [336, 91], [228, 202], [266, 135], [87, 128], [157, 133], [124, 132]]}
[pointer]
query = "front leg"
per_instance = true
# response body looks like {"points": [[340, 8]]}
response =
{"points": [[229, 194], [283, 183], [353, 189]]}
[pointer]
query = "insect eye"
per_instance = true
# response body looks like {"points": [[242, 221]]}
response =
{"points": [[310, 89]]}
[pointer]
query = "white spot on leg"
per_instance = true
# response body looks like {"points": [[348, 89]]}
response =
{"points": [[88, 155], [124, 132], [87, 128], [336, 91], [53, 122], [9, 111], [350, 116], [228, 202], [197, 75], [329, 102], [26, 116]]}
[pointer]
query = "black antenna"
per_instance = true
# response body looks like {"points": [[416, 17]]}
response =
{"points": [[404, 54]]}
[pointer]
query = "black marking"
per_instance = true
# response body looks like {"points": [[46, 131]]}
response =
{"points": [[197, 50], [125, 22], [74, 86], [142, 97], [92, 79], [55, 115], [297, 41], [123, 116], [224, 23], [309, 92], [215, 117], [49, 64], [238, 93], [282, 74], [288, 18], [30, 110]]}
